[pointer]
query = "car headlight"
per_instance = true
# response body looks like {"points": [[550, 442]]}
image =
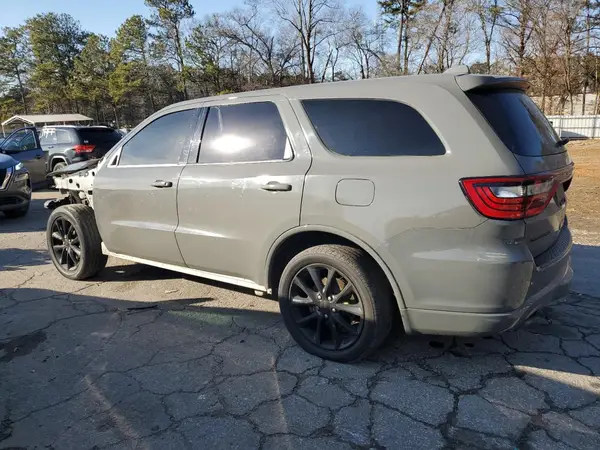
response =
{"points": [[19, 166]]}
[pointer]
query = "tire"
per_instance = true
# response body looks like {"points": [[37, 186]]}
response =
{"points": [[91, 259], [370, 287], [59, 165], [16, 213]]}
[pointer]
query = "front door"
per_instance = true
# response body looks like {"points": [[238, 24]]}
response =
{"points": [[135, 194], [24, 146], [245, 188]]}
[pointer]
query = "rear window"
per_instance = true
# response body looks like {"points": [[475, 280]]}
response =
{"points": [[98, 136], [518, 121], [372, 128]]}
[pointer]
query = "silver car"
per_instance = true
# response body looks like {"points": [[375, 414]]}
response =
{"points": [[439, 199]]}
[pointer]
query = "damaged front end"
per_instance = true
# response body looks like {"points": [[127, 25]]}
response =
{"points": [[76, 182]]}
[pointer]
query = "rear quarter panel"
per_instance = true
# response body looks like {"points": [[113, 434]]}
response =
{"points": [[415, 197]]}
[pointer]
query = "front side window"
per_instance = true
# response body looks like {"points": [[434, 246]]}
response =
{"points": [[247, 132], [161, 141], [356, 127], [20, 141]]}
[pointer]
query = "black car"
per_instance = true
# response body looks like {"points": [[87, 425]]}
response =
{"points": [[15, 187], [67, 144]]}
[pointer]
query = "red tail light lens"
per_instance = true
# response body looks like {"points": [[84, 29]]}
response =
{"points": [[510, 198], [87, 148]]}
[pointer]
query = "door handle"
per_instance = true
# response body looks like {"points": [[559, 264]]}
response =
{"points": [[276, 186], [161, 184], [38, 156]]}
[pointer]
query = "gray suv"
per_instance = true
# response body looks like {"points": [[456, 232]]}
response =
{"points": [[439, 198], [67, 144]]}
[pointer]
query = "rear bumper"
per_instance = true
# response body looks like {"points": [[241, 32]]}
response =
{"points": [[521, 286], [466, 323]]}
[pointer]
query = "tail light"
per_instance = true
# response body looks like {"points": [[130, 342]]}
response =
{"points": [[84, 148], [510, 198]]}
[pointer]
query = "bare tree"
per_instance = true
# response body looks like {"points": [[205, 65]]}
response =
{"points": [[517, 21], [366, 43], [315, 21], [488, 12]]}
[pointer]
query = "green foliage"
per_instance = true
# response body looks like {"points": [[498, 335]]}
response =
{"points": [[56, 40], [15, 61]]}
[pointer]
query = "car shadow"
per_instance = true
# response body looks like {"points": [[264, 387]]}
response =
{"points": [[19, 259]]}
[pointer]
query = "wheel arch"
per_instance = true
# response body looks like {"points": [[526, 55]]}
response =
{"points": [[54, 159], [300, 238]]}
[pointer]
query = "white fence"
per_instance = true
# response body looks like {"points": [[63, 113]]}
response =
{"points": [[576, 127]]}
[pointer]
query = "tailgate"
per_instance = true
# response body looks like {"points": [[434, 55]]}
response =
{"points": [[542, 231], [526, 132]]}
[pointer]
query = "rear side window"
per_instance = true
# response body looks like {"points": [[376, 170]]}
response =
{"points": [[55, 136], [98, 136], [372, 128], [248, 132], [518, 122], [161, 141]]}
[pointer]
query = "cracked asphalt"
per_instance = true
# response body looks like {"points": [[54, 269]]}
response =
{"points": [[147, 359]]}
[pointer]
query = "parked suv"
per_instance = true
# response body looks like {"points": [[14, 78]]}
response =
{"points": [[67, 144], [438, 197]]}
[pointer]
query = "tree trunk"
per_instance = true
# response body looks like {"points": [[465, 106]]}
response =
{"points": [[432, 37], [114, 106], [405, 70], [22, 92], [399, 48]]}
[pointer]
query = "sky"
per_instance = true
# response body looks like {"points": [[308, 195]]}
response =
{"points": [[105, 16]]}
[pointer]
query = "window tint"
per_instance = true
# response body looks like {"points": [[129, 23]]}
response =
{"points": [[242, 133], [161, 141], [372, 128], [98, 136], [51, 136], [518, 122]]}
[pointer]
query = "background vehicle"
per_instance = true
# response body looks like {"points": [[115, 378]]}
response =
{"points": [[439, 197], [67, 144], [15, 187], [24, 146]]}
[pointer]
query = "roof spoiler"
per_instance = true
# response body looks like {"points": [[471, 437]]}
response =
{"points": [[469, 82]]}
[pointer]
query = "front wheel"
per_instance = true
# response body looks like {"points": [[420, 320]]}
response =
{"points": [[335, 302], [74, 242]]}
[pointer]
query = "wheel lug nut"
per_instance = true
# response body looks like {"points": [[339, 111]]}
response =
{"points": [[319, 296], [326, 316], [332, 309], [330, 298]]}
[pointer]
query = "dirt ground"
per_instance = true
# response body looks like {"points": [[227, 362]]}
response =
{"points": [[584, 193]]}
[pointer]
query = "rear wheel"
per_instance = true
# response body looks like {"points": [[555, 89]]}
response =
{"points": [[74, 242], [59, 165], [335, 302]]}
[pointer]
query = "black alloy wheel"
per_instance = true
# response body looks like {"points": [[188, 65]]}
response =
{"points": [[65, 243], [326, 306]]}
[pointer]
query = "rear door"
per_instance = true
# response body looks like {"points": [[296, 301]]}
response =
{"points": [[135, 196], [531, 138], [24, 146], [245, 188]]}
